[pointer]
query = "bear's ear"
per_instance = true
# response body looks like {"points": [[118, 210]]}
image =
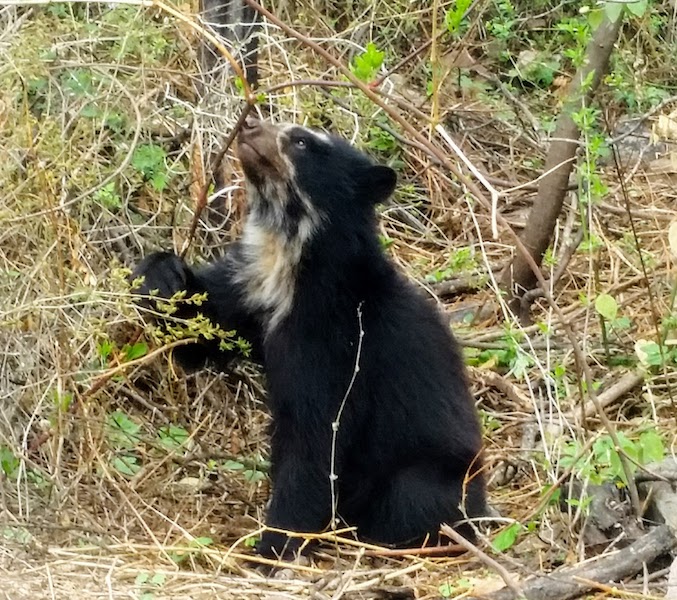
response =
{"points": [[378, 183]]}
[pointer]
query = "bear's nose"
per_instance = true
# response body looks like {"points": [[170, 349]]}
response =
{"points": [[251, 123]]}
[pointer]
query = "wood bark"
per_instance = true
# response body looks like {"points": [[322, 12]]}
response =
{"points": [[519, 278], [607, 570], [236, 22]]}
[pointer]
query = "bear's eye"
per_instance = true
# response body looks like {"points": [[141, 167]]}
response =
{"points": [[300, 143]]}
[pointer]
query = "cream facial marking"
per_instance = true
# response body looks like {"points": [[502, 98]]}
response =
{"points": [[269, 272], [272, 245]]}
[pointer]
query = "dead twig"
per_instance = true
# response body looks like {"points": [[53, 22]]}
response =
{"points": [[201, 201], [503, 385], [609, 396], [427, 551], [485, 558]]}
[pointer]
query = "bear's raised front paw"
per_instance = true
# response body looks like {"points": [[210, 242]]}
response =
{"points": [[164, 273]]}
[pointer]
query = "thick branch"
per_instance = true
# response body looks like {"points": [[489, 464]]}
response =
{"points": [[542, 220]]}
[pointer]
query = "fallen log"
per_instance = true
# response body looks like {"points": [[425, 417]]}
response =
{"points": [[610, 569]]}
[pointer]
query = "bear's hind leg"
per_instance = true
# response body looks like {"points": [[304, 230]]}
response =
{"points": [[412, 504]]}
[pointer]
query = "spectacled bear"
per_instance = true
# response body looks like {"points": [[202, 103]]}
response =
{"points": [[372, 419]]}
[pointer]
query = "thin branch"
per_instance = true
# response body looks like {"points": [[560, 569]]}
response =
{"points": [[333, 477], [426, 551], [484, 557], [640, 120], [201, 201]]}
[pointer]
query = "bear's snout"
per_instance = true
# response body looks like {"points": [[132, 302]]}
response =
{"points": [[258, 151], [251, 123]]}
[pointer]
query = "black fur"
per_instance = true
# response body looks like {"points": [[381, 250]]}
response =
{"points": [[408, 445]]}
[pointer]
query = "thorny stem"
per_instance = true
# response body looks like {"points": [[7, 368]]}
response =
{"points": [[333, 477]]}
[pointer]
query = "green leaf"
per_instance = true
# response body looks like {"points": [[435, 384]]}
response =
{"points": [[108, 197], [652, 356], [18, 534], [366, 65], [622, 323], [126, 465], [158, 579], [136, 351], [233, 465], [626, 443], [173, 437], [159, 180], [104, 349], [651, 447], [638, 8], [614, 10], [595, 18], [385, 241], [555, 496], [606, 306], [115, 121], [122, 432], [252, 475], [149, 159], [202, 542], [520, 365], [8, 462], [507, 537], [79, 82], [601, 449], [454, 17], [616, 466], [91, 111], [181, 555]]}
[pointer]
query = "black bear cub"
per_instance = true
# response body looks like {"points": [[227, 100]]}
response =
{"points": [[372, 420]]}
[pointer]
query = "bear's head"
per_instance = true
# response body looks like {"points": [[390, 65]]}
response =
{"points": [[296, 175], [310, 196]]}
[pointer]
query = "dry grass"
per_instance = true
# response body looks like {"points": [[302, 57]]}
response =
{"points": [[92, 510]]}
